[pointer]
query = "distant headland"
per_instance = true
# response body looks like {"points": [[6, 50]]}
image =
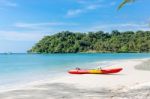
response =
{"points": [[93, 42]]}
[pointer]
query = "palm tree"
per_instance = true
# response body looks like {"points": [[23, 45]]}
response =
{"points": [[125, 2]]}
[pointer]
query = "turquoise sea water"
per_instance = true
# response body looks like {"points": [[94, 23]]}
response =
{"points": [[25, 68]]}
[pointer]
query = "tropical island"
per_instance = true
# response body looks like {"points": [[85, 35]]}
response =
{"points": [[102, 42]]}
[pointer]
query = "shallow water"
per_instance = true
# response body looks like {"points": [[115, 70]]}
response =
{"points": [[17, 69]]}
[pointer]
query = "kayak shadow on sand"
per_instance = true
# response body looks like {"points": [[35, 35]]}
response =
{"points": [[114, 74], [102, 74]]}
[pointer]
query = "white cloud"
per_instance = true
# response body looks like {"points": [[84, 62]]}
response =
{"points": [[92, 7], [39, 26], [7, 3], [74, 12], [112, 3], [121, 27], [20, 36], [88, 6], [32, 31], [89, 1]]}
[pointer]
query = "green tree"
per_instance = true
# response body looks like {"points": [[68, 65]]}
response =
{"points": [[69, 42]]}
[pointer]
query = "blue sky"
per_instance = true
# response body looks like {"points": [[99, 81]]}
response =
{"points": [[24, 22]]}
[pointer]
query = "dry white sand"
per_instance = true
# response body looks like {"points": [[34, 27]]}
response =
{"points": [[130, 83]]}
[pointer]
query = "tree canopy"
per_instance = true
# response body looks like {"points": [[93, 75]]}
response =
{"points": [[70, 42]]}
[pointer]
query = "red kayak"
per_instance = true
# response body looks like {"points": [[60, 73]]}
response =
{"points": [[94, 71]]}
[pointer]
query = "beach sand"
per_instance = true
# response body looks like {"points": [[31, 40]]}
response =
{"points": [[131, 83]]}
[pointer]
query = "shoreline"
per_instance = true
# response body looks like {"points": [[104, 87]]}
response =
{"points": [[78, 84]]}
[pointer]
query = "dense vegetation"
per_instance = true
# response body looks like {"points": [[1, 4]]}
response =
{"points": [[69, 42]]}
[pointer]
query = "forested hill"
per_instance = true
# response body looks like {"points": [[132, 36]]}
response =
{"points": [[69, 42]]}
